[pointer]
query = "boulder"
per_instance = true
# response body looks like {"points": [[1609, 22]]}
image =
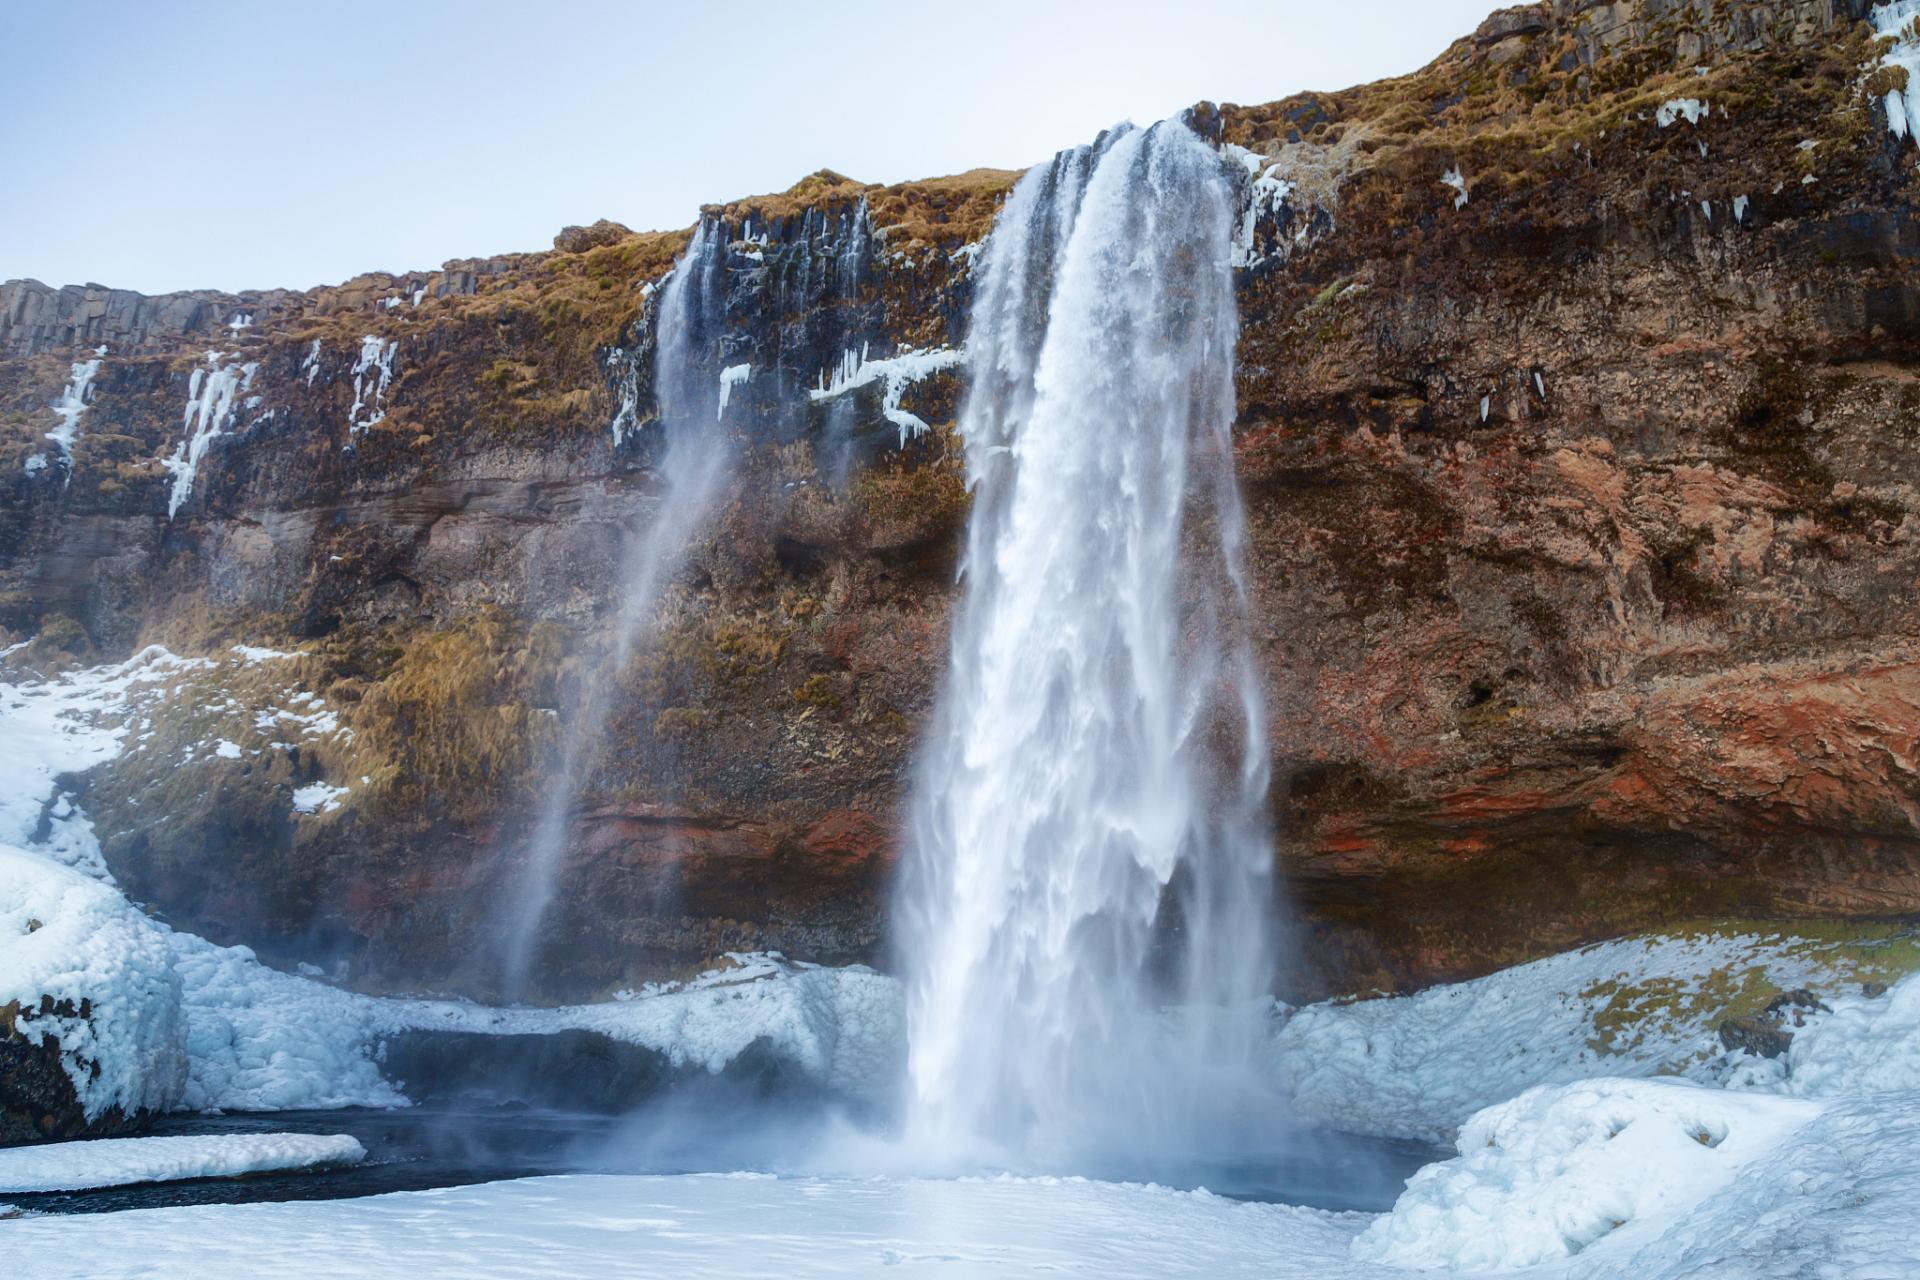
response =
{"points": [[581, 239]]}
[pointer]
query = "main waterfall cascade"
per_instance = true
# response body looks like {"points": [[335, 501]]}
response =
{"points": [[1084, 912], [692, 465]]}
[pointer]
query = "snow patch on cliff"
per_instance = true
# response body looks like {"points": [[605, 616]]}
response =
{"points": [[1692, 110]]}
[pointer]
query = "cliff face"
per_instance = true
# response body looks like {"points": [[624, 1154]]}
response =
{"points": [[1577, 426]]}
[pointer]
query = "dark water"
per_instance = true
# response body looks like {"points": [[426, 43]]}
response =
{"points": [[442, 1146]]}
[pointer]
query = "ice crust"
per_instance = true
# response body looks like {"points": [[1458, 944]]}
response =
{"points": [[1547, 1174], [86, 966], [119, 1162], [1419, 1066]]}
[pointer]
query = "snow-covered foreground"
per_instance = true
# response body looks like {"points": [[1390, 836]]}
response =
{"points": [[736, 1226], [1603, 1129], [1823, 1189], [119, 1162]]}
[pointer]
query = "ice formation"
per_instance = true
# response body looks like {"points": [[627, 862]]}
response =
{"points": [[211, 397], [895, 373], [372, 373], [72, 403], [86, 966], [1897, 21], [1544, 1176]]}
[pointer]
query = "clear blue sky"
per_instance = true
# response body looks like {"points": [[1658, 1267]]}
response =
{"points": [[173, 144]]}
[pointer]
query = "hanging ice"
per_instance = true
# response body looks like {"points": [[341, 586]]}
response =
{"points": [[71, 404], [211, 398], [896, 372], [372, 373]]}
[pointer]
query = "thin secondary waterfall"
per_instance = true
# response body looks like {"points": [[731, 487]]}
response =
{"points": [[1084, 911], [692, 466]]}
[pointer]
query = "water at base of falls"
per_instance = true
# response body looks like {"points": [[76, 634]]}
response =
{"points": [[1084, 912]]}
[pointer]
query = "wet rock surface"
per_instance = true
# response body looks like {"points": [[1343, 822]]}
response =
{"points": [[1583, 502]]}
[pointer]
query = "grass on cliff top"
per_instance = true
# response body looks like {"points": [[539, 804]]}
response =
{"points": [[1519, 124]]}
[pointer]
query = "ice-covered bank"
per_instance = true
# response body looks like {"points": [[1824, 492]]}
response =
{"points": [[150, 1019], [116, 1162]]}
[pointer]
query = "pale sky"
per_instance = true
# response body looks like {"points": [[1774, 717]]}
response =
{"points": [[175, 144]]}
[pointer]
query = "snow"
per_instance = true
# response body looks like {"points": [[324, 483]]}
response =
{"points": [[730, 377], [897, 373], [1860, 1045], [1739, 208], [1458, 181], [1546, 1175], [1419, 1066], [311, 365], [71, 404], [86, 966], [1692, 110], [740, 1226], [119, 1162], [253, 653], [1263, 197], [210, 403], [1896, 21], [318, 797], [372, 374]]}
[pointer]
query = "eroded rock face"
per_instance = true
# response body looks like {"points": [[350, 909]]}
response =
{"points": [[1577, 435]]}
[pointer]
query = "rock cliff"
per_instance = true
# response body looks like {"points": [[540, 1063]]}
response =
{"points": [[1578, 389]]}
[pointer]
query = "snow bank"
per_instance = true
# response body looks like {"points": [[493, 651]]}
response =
{"points": [[1556, 1169], [1838, 1198], [118, 1162], [1863, 1045], [86, 966], [1418, 1066], [262, 1040], [844, 1027]]}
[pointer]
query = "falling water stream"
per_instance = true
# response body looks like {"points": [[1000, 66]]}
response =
{"points": [[694, 461], [1085, 910]]}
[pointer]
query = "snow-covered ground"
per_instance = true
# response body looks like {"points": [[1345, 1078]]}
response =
{"points": [[119, 1162], [1418, 1066], [714, 1226], [1607, 1132]]}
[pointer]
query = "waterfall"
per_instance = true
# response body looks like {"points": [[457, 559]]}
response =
{"points": [[1084, 909], [692, 463]]}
